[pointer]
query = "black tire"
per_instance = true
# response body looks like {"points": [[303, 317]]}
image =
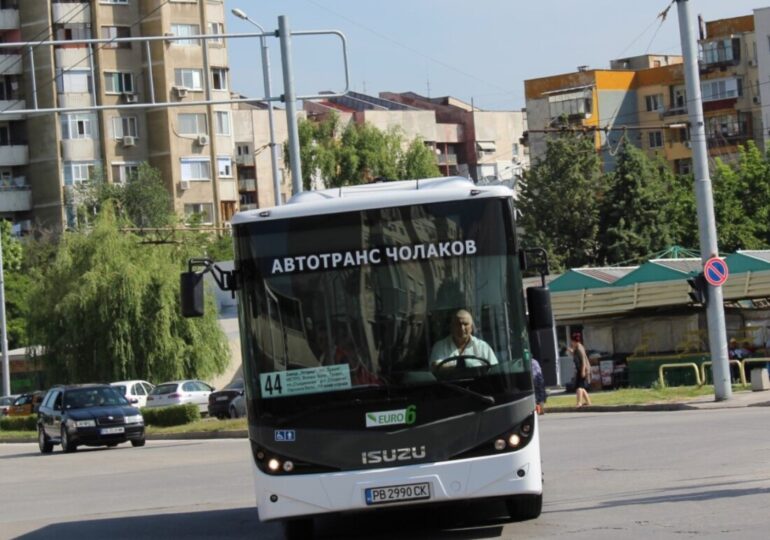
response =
{"points": [[137, 442], [66, 445], [233, 412], [298, 529], [46, 446], [524, 507]]}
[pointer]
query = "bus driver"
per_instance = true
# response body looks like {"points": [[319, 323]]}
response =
{"points": [[461, 342]]}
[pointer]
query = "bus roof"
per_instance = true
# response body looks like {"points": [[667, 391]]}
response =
{"points": [[376, 195]]}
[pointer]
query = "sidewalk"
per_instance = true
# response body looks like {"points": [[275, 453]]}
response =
{"points": [[738, 400]]}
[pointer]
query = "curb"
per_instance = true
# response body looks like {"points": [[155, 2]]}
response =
{"points": [[624, 408], [240, 434]]}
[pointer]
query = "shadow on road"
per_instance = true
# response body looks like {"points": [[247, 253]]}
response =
{"points": [[477, 520]]}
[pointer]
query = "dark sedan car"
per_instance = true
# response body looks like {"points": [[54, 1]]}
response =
{"points": [[219, 401], [88, 415]]}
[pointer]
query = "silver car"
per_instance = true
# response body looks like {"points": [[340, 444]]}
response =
{"points": [[181, 393]]}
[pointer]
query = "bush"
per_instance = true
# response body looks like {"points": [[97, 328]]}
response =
{"points": [[174, 415], [19, 423]]}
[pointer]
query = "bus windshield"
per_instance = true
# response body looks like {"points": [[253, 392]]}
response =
{"points": [[403, 300]]}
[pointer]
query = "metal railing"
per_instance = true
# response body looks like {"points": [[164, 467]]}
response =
{"points": [[739, 363], [692, 365]]}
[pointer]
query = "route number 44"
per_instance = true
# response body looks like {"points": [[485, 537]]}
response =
{"points": [[272, 385]]}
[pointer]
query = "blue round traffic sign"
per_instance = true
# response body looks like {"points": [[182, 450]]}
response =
{"points": [[715, 271]]}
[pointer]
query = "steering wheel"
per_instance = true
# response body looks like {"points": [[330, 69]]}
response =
{"points": [[460, 359]]}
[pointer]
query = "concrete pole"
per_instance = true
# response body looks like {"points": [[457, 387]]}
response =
{"points": [[715, 313], [291, 105], [4, 333]]}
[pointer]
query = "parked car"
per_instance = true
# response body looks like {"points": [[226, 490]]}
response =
{"points": [[237, 407], [26, 404], [134, 391], [180, 393], [6, 402], [89, 415], [219, 401]]}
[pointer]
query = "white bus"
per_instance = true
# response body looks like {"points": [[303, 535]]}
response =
{"points": [[343, 295]]}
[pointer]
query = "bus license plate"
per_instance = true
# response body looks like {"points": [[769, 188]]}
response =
{"points": [[406, 492], [113, 430]]}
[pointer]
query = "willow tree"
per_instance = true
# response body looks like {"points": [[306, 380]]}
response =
{"points": [[106, 308]]}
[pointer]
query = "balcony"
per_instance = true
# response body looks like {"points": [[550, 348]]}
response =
{"points": [[14, 155], [449, 133], [246, 160], [247, 185], [79, 149], [16, 198], [71, 57], [724, 140], [8, 105], [245, 207], [11, 64], [72, 12], [75, 99], [9, 19]]}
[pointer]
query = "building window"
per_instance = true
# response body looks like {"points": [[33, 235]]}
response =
{"points": [[124, 172], [656, 139], [74, 31], [223, 122], [243, 149], [77, 126], [654, 103], [715, 52], [196, 169], [192, 124], [188, 78], [225, 166], [76, 172], [683, 166], [204, 210], [114, 32], [219, 77], [118, 82], [183, 30], [123, 126], [216, 28], [75, 81]]}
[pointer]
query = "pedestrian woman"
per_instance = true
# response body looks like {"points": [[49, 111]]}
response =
{"points": [[582, 370]]}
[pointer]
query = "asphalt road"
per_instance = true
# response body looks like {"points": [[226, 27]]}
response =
{"points": [[682, 474]]}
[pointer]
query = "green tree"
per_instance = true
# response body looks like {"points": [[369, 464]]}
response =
{"points": [[419, 161], [560, 200], [145, 199], [16, 284], [680, 209], [359, 153], [106, 308], [632, 224]]}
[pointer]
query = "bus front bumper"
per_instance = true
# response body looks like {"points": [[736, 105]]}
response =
{"points": [[500, 475]]}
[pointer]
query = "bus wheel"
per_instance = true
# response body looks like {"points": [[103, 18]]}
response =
{"points": [[523, 507], [297, 529]]}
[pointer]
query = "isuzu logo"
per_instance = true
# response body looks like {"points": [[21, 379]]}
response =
{"points": [[389, 456]]}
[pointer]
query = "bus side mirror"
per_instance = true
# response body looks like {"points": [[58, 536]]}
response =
{"points": [[191, 291]]}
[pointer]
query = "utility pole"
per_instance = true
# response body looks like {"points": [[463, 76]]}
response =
{"points": [[715, 313], [291, 105]]}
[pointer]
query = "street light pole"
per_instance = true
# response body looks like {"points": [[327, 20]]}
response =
{"points": [[266, 81]]}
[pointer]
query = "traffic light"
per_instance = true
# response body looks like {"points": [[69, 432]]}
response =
{"points": [[700, 289]]}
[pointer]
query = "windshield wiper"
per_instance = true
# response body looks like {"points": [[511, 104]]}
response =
{"points": [[484, 398]]}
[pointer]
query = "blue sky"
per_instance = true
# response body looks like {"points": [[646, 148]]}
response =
{"points": [[480, 50]]}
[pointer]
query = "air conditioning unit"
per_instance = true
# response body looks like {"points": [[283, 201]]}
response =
{"points": [[755, 99], [181, 91], [687, 144], [203, 140], [130, 98], [129, 140], [184, 185], [752, 63]]}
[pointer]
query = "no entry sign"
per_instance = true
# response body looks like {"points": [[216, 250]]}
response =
{"points": [[715, 271]]}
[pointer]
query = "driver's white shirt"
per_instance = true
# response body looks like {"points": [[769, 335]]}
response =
{"points": [[446, 348]]}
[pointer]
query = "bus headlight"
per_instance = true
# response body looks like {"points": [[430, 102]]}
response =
{"points": [[273, 464], [514, 440], [500, 444]]}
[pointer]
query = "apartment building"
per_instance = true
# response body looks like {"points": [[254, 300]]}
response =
{"points": [[647, 94], [43, 156], [482, 145]]}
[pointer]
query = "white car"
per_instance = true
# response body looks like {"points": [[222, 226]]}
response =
{"points": [[180, 393], [136, 392]]}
